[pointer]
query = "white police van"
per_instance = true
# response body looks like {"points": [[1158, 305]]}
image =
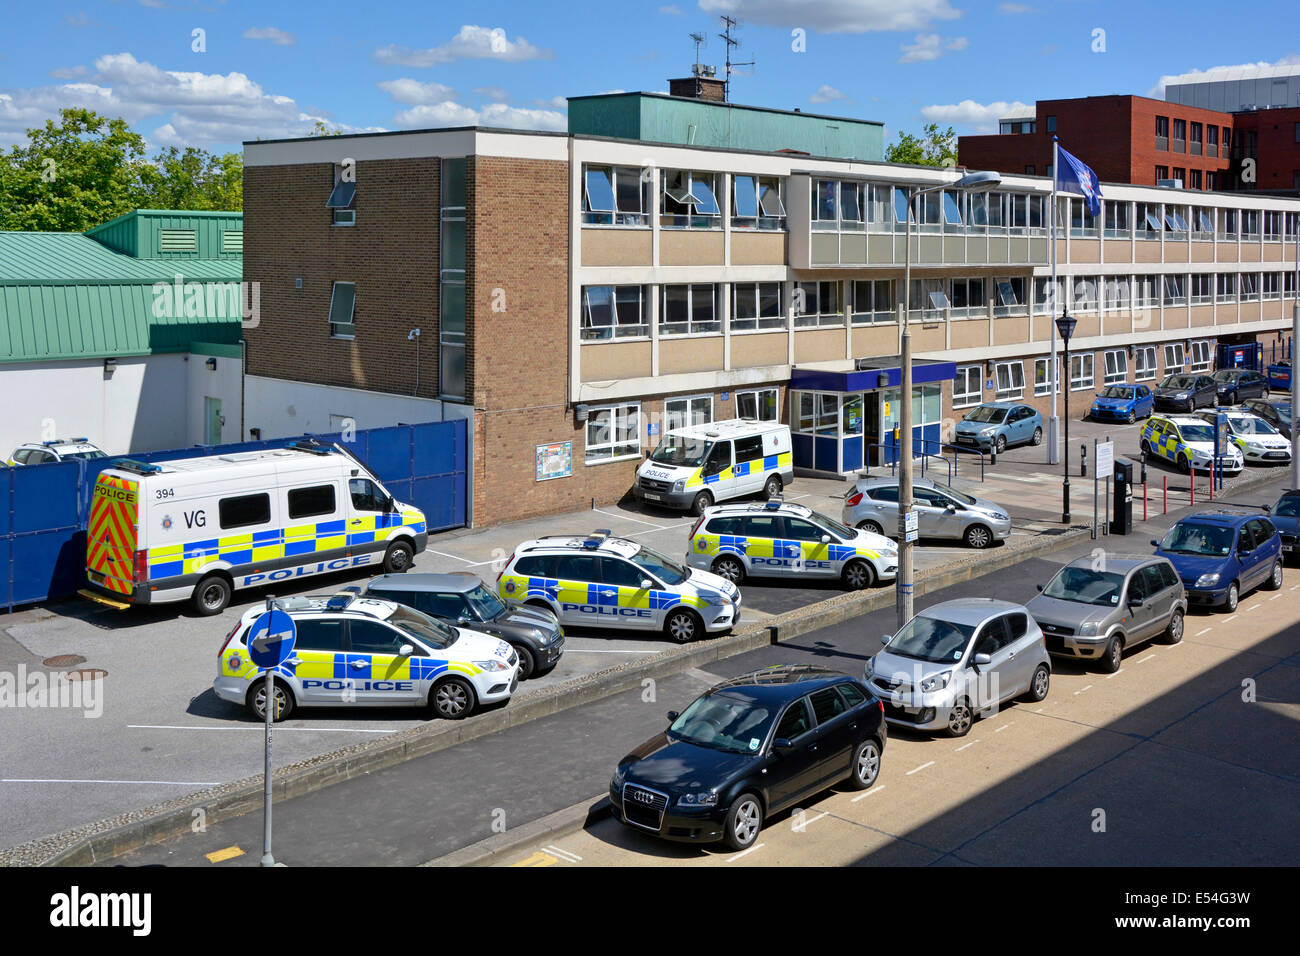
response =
{"points": [[697, 465]]}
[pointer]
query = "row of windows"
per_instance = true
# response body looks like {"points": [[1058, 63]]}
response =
{"points": [[613, 431], [1109, 293], [1181, 142], [246, 511], [625, 196]]}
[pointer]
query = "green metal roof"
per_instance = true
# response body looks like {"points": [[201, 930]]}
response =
{"points": [[70, 257]]}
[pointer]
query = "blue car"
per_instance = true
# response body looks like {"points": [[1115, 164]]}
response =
{"points": [[999, 424], [1222, 555], [1285, 516], [1122, 403]]}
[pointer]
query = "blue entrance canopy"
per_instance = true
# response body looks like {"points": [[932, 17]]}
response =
{"points": [[868, 376]]}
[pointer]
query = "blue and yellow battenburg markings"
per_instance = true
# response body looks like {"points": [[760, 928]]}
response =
{"points": [[610, 599], [740, 468], [173, 560], [778, 551], [1167, 445], [338, 665]]}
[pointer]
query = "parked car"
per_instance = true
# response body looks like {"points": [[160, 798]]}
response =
{"points": [[872, 505], [1236, 384], [1259, 441], [999, 424], [1222, 555], [1185, 393], [957, 660], [1284, 514], [1122, 403], [460, 598], [1276, 413], [59, 449], [1096, 613], [748, 748], [1187, 442]]}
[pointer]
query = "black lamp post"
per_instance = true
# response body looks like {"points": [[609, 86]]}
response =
{"points": [[1065, 326]]}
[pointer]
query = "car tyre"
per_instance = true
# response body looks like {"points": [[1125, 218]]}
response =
{"points": [[744, 822], [683, 626], [1040, 685], [452, 698], [772, 487], [1184, 464], [1233, 599], [1001, 444], [256, 700], [702, 501], [960, 719], [1113, 657], [527, 663], [398, 557], [729, 567], [978, 537], [872, 526], [1145, 447], [1174, 631], [1038, 436], [212, 595], [1274, 582], [1132, 416], [866, 764], [858, 575]]}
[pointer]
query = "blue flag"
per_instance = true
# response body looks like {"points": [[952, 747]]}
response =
{"points": [[1074, 176]]}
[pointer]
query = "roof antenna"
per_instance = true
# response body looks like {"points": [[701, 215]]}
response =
{"points": [[730, 24], [699, 39]]}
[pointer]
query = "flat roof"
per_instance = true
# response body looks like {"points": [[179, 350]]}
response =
{"points": [[727, 105]]}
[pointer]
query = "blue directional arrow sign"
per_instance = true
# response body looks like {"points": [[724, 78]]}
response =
{"points": [[271, 639]]}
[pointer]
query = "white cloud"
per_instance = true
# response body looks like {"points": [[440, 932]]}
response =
{"points": [[977, 117], [278, 37], [414, 92], [1241, 71], [492, 92], [825, 94], [672, 11], [837, 16], [449, 113], [1014, 9], [70, 72], [472, 42], [555, 102], [930, 46]]}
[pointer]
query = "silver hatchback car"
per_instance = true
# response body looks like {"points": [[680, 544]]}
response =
{"points": [[872, 505], [958, 660], [1095, 607]]}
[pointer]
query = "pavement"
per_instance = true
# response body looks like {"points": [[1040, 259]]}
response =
{"points": [[1163, 749]]}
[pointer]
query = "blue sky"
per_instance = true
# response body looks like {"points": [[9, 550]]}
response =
{"points": [[273, 68]]}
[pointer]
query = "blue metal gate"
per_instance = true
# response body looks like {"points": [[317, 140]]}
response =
{"points": [[43, 537]]}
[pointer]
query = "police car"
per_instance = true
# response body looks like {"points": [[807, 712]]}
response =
{"points": [[59, 449], [603, 581], [788, 540], [1187, 442], [366, 652]]}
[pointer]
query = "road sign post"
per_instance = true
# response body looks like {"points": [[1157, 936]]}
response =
{"points": [[270, 644]]}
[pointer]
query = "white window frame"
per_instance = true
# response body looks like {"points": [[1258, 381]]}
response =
{"points": [[1084, 379], [1175, 349], [352, 315], [1115, 370], [758, 394], [1015, 387], [818, 319], [690, 310], [1144, 372], [620, 409], [1205, 279], [1044, 387], [771, 218], [642, 327], [865, 316], [681, 417], [623, 218], [965, 398], [692, 176], [1201, 356], [756, 322]]}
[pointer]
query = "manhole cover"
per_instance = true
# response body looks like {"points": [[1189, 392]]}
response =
{"points": [[64, 660], [86, 673]]}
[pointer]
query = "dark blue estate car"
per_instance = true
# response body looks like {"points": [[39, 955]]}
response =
{"points": [[748, 748], [1285, 516], [1126, 402], [1221, 555]]}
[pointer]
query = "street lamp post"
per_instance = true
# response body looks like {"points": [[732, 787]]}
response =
{"points": [[970, 183], [1065, 326]]}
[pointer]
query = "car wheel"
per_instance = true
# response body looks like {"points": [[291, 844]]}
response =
{"points": [[212, 595], [1265, 395], [866, 765], [683, 626], [256, 700], [773, 486], [397, 560], [1174, 632], [453, 698], [743, 823], [872, 526], [1038, 436], [1001, 444], [1040, 685], [527, 665], [1113, 656], [729, 568], [858, 574], [1234, 597], [1184, 464], [1274, 582], [702, 501], [960, 719], [977, 536], [1132, 416]]}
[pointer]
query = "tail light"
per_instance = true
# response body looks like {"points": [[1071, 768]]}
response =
{"points": [[854, 500], [881, 704], [229, 637], [140, 567]]}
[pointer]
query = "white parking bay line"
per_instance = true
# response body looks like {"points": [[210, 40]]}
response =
{"points": [[667, 527], [138, 783], [563, 854], [964, 746], [259, 728], [1004, 727], [1149, 657], [863, 796], [1082, 689], [756, 846], [626, 517], [454, 557], [919, 769], [1109, 676], [1204, 630]]}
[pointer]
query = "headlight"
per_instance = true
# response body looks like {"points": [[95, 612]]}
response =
{"points": [[492, 666], [937, 682], [679, 485], [541, 637], [706, 799], [988, 431], [869, 671], [1207, 580], [1088, 630], [619, 778]]}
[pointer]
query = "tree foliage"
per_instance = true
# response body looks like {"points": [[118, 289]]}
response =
{"points": [[934, 147]]}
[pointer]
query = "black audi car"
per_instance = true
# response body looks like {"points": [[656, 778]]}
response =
{"points": [[460, 599], [1235, 385], [748, 748], [1185, 393]]}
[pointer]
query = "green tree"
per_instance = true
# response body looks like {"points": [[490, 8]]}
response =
{"points": [[193, 178], [934, 147]]}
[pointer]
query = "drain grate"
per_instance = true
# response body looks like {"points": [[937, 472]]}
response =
{"points": [[86, 673], [64, 660]]}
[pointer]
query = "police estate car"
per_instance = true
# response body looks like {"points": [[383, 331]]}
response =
{"points": [[1186, 441], [59, 449], [371, 653], [788, 540], [604, 581]]}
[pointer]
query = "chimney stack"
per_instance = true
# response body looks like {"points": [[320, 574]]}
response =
{"points": [[702, 85]]}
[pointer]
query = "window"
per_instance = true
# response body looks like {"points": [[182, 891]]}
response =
{"points": [[1116, 362], [1051, 124], [1042, 383], [318, 635], [1146, 294], [452, 311], [1081, 221], [1273, 225], [1049, 299], [968, 297], [689, 310], [1010, 378], [1010, 295], [1118, 224], [1029, 169], [756, 305], [614, 312], [1250, 223], [307, 502], [613, 433], [1202, 223], [1175, 289], [818, 413], [621, 573], [1180, 136], [827, 705], [1176, 221], [1225, 289], [795, 723], [1288, 284], [1174, 357], [1272, 287], [366, 495], [953, 211], [689, 200], [851, 693], [817, 303], [1162, 132], [760, 405], [756, 202], [614, 196], [680, 412], [1162, 172], [1211, 141], [873, 300], [342, 201], [929, 297], [1227, 224], [878, 199], [371, 637], [968, 386], [1144, 363], [1085, 293], [1117, 293], [1202, 288], [244, 511], [1196, 138], [577, 567], [1081, 371], [1200, 356], [1249, 285], [1148, 220], [1194, 179], [342, 307]]}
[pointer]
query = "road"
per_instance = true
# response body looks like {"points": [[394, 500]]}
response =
{"points": [[1166, 749]]}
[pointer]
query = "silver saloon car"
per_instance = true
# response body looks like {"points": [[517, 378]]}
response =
{"points": [[941, 512], [958, 660], [1095, 607]]}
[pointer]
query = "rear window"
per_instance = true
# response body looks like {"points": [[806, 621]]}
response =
{"points": [[244, 511], [851, 693], [729, 524], [537, 565]]}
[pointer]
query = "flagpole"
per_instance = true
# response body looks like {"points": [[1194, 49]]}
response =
{"points": [[1053, 423]]}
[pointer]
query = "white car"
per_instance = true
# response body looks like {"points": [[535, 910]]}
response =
{"points": [[59, 449], [1259, 441], [365, 652]]}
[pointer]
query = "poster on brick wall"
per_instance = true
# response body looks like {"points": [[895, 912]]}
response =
{"points": [[555, 460]]}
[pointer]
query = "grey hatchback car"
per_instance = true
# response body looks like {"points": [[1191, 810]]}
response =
{"points": [[872, 505], [1094, 608]]}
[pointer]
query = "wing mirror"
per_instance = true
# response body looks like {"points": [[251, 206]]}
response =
{"points": [[646, 584], [1155, 543], [782, 745], [673, 715], [826, 539], [406, 650], [1268, 509], [980, 660], [951, 509], [884, 638], [1040, 588]]}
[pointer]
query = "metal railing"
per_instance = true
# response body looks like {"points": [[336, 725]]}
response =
{"points": [[925, 456]]}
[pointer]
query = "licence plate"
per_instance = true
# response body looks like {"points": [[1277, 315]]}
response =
{"points": [[652, 497], [963, 440]]}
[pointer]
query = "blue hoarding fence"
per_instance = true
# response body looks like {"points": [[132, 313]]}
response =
{"points": [[43, 536]]}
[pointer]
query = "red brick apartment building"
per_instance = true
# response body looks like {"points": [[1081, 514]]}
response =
{"points": [[596, 290]]}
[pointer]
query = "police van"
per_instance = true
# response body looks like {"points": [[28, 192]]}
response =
{"points": [[603, 581], [196, 528], [697, 465]]}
